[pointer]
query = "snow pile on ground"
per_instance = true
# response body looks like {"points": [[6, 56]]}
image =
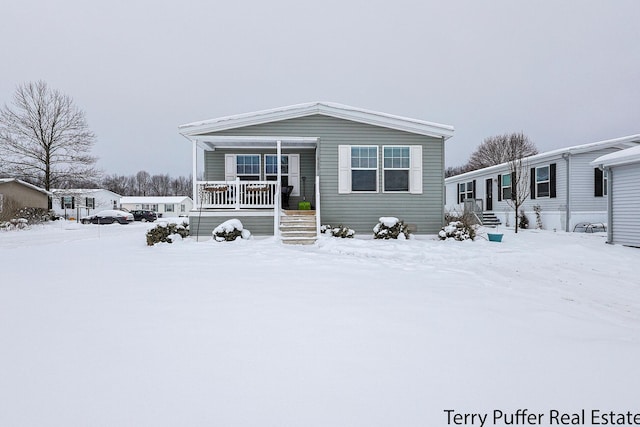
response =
{"points": [[358, 332], [230, 230]]}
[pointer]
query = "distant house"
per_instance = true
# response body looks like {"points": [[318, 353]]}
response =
{"points": [[76, 202], [16, 194], [339, 164], [564, 183], [163, 205], [623, 171]]}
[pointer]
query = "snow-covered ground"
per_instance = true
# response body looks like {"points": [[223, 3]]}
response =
{"points": [[98, 329]]}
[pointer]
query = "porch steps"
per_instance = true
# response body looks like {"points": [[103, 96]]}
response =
{"points": [[490, 220], [298, 227]]}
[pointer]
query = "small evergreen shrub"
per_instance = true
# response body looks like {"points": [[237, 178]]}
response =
{"points": [[523, 221], [167, 233], [339, 231], [458, 230], [391, 228], [229, 231]]}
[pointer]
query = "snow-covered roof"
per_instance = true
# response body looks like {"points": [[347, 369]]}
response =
{"points": [[621, 143], [630, 155], [19, 181], [323, 108], [67, 191], [153, 199]]}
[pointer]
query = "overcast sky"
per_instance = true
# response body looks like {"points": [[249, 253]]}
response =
{"points": [[562, 72]]}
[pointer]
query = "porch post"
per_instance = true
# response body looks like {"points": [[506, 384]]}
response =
{"points": [[194, 182], [237, 193], [278, 195]]}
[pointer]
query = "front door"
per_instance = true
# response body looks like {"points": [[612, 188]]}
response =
{"points": [[489, 194]]}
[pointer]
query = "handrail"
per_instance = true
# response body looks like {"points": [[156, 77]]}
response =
{"points": [[237, 194]]}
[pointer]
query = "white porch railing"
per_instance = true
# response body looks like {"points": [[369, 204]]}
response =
{"points": [[236, 194]]}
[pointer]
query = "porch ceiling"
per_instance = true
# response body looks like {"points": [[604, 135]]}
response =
{"points": [[211, 142]]}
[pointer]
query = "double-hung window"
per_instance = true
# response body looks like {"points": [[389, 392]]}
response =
{"points": [[364, 168], [248, 167], [68, 202], [90, 202], [271, 168], [465, 191], [396, 163], [505, 186], [542, 181], [168, 207]]}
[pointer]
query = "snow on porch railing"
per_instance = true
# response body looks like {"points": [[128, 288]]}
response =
{"points": [[236, 194]]}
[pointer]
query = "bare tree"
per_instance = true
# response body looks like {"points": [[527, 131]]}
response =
{"points": [[142, 183], [119, 184], [160, 184], [501, 149], [181, 186], [45, 138], [519, 170]]}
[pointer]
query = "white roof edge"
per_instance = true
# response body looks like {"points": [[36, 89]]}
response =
{"points": [[325, 108], [576, 149], [626, 156], [82, 190], [34, 187]]}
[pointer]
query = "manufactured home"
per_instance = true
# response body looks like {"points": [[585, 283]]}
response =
{"points": [[338, 165], [16, 194], [623, 196], [162, 205], [77, 202], [567, 188]]}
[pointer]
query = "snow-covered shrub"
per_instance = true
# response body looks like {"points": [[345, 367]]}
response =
{"points": [[167, 233], [458, 230], [14, 224], [229, 231], [339, 231], [391, 228], [538, 211], [523, 221]]}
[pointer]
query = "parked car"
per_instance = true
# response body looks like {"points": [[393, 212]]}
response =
{"points": [[108, 216], [144, 215]]}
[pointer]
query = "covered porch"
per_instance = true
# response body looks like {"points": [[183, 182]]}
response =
{"points": [[254, 176]]}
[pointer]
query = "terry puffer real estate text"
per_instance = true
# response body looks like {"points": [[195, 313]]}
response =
{"points": [[584, 417]]}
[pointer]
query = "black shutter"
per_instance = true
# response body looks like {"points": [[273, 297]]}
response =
{"points": [[73, 202], [474, 189], [552, 180], [513, 186], [597, 182], [61, 202], [458, 187], [499, 188], [533, 183]]}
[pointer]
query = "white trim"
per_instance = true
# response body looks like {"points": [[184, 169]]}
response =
{"points": [[548, 181], [323, 108], [377, 169], [384, 169], [232, 213]]}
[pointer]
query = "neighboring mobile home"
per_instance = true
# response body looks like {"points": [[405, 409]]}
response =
{"points": [[346, 165], [563, 183], [16, 194], [623, 171], [78, 202], [163, 205]]}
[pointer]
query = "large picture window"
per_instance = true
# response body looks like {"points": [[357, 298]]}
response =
{"points": [[396, 162], [542, 181], [248, 167], [364, 168]]}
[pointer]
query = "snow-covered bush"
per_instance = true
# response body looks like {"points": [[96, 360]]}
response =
{"points": [[14, 224], [523, 221], [457, 230], [167, 233], [339, 231], [538, 211], [390, 228], [229, 231]]}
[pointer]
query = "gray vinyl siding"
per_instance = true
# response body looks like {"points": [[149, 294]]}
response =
{"points": [[582, 182], [625, 209], [357, 211], [204, 225]]}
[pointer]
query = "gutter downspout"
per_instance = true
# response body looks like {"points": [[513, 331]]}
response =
{"points": [[609, 173], [567, 221]]}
